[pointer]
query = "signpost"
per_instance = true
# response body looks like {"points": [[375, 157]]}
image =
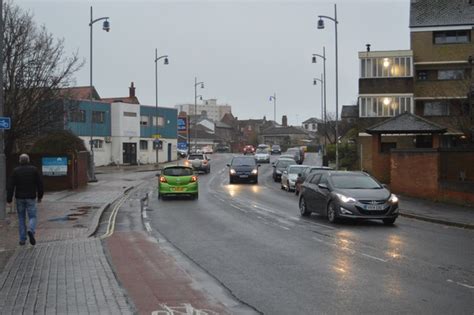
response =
{"points": [[5, 123]]}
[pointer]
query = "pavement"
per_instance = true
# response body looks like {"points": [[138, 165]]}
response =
{"points": [[70, 272]]}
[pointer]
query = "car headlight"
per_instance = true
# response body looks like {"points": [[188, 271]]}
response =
{"points": [[278, 172], [232, 171], [393, 198], [345, 199], [254, 171]]}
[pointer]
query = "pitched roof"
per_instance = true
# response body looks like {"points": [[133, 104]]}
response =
{"points": [[79, 93], [424, 13], [282, 131], [126, 99], [350, 111], [220, 124], [406, 123], [313, 120]]}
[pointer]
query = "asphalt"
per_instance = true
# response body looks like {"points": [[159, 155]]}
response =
{"points": [[253, 241]]}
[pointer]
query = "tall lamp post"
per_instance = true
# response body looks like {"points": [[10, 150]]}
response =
{"points": [[3, 161], [196, 84], [321, 81], [321, 26], [156, 99], [105, 27], [274, 99]]}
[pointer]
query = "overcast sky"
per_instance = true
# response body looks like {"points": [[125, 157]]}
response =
{"points": [[244, 50]]}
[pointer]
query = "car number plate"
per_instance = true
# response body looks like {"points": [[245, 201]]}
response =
{"points": [[177, 188], [243, 176], [374, 207]]}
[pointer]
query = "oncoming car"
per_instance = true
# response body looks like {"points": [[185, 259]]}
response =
{"points": [[177, 181], [341, 194], [243, 168], [289, 176], [262, 156]]}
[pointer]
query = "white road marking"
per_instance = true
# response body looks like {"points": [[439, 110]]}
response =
{"points": [[148, 227], [352, 251], [461, 284], [373, 257]]}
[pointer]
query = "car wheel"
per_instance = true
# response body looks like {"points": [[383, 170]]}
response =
{"points": [[159, 196], [297, 192], [196, 196], [281, 186], [389, 221], [255, 181], [231, 181], [331, 213], [303, 208]]}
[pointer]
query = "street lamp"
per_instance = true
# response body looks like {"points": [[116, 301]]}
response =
{"points": [[321, 81], [196, 84], [274, 99], [156, 100], [323, 84], [105, 27], [321, 26]]}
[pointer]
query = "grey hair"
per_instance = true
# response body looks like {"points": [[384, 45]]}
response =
{"points": [[24, 159]]}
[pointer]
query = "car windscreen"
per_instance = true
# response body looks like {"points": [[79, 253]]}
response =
{"points": [[276, 147], [177, 171], [284, 163], [354, 182], [262, 151], [243, 161], [196, 157], [296, 170]]}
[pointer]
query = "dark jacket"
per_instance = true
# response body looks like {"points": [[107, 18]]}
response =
{"points": [[26, 183]]}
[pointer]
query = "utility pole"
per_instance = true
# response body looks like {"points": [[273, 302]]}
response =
{"points": [[3, 160]]}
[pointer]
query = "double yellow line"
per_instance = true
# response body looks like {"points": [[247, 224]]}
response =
{"points": [[113, 217]]}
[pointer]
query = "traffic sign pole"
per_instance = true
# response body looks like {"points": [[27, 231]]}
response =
{"points": [[3, 160]]}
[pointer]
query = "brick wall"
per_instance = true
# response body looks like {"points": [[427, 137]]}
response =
{"points": [[415, 172], [424, 49]]}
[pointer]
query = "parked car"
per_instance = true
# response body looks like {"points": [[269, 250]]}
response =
{"points": [[297, 153], [287, 156], [199, 162], [279, 166], [289, 176], [302, 177], [249, 149], [182, 153], [341, 194], [222, 148], [176, 181], [262, 156], [276, 149], [243, 168]]}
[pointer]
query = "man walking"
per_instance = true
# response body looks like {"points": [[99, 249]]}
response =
{"points": [[27, 186]]}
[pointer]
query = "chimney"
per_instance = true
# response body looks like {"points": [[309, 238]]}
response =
{"points": [[284, 121], [131, 89], [368, 47]]}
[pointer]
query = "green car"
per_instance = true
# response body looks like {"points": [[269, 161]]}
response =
{"points": [[178, 181]]}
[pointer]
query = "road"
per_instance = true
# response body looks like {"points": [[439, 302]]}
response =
{"points": [[253, 240]]}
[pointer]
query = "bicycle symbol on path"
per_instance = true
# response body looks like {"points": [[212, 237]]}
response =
{"points": [[184, 309]]}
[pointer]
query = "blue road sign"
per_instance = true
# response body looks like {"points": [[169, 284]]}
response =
{"points": [[5, 123], [182, 145]]}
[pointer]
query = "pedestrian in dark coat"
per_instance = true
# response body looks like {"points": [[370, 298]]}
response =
{"points": [[26, 185]]}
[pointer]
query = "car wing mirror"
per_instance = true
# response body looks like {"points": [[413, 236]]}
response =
{"points": [[258, 165], [323, 186], [158, 174], [228, 165], [299, 175], [385, 186]]}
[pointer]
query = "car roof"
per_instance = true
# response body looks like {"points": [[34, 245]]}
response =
{"points": [[347, 173]]}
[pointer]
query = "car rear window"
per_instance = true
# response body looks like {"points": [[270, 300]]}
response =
{"points": [[296, 170], [284, 163], [196, 157], [177, 171], [262, 151], [354, 182], [243, 161]]}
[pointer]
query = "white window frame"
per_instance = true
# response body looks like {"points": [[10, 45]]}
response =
{"points": [[367, 104]]}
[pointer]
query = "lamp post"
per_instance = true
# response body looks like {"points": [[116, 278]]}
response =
{"points": [[321, 81], [321, 26], [3, 161], [156, 100], [196, 84], [105, 27], [274, 99]]}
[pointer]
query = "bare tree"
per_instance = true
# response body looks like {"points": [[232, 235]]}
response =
{"points": [[35, 68], [329, 131]]}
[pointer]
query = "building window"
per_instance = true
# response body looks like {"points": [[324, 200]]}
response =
{"points": [[143, 145], [144, 120], [384, 106], [97, 143], [305, 126], [158, 121], [98, 117], [77, 116], [313, 127], [452, 37], [129, 114], [436, 108], [456, 74], [388, 67], [422, 75]]}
